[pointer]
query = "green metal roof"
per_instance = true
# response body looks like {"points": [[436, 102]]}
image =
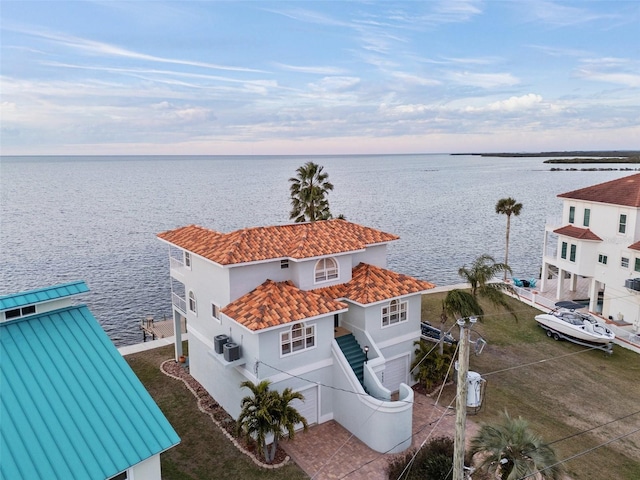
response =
{"points": [[70, 405], [8, 302]]}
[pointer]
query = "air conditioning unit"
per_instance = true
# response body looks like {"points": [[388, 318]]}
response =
{"points": [[219, 341], [231, 351]]}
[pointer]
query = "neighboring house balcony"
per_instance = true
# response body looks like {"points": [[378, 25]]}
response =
{"points": [[177, 267]]}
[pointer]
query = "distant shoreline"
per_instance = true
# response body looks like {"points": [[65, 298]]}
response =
{"points": [[579, 156]]}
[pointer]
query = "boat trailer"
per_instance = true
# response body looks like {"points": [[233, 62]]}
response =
{"points": [[551, 333]]}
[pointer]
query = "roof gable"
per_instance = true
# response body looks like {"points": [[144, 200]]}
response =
{"points": [[622, 191], [71, 406], [295, 241], [40, 295], [576, 232], [370, 284], [278, 303]]}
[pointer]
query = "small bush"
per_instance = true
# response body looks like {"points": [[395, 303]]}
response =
{"points": [[433, 462]]}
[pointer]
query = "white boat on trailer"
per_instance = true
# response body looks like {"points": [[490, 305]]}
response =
{"points": [[566, 322]]}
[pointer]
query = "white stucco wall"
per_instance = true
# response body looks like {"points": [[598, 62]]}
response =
{"points": [[148, 469]]}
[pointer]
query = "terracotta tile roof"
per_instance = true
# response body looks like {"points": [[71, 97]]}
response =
{"points": [[634, 246], [575, 232], [622, 191], [296, 241], [277, 303], [370, 284]]}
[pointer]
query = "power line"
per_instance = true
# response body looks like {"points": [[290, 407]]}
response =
{"points": [[584, 452]]}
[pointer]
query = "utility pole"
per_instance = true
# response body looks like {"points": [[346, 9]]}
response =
{"points": [[461, 397]]}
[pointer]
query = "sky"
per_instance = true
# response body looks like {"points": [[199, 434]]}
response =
{"points": [[308, 77]]}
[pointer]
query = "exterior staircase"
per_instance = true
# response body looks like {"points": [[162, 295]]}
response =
{"points": [[355, 355]]}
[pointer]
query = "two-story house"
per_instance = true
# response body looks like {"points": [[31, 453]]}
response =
{"points": [[309, 306], [598, 238]]}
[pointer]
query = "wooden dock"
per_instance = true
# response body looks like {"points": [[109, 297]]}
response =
{"points": [[159, 328]]}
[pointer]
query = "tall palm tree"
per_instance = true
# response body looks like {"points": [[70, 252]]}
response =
{"points": [[268, 412], [508, 206], [459, 304], [479, 276], [511, 450], [309, 189]]}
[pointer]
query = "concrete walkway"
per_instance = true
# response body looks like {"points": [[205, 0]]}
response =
{"points": [[330, 452]]}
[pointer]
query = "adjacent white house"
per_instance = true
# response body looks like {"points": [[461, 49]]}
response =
{"points": [[598, 238], [309, 306], [70, 405]]}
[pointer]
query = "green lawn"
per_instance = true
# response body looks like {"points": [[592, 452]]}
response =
{"points": [[560, 388], [204, 453]]}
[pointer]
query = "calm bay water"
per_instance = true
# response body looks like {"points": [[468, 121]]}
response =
{"points": [[96, 218]]}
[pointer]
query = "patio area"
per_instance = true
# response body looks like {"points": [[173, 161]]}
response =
{"points": [[328, 451]]}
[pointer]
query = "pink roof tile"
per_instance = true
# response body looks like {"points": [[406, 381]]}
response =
{"points": [[622, 191], [296, 241], [278, 303], [575, 232], [370, 284]]}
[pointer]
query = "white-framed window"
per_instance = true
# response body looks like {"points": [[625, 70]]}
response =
{"points": [[187, 260], [326, 269], [624, 262], [20, 312], [299, 337], [193, 305], [215, 311], [622, 225], [572, 214], [587, 217], [602, 259], [393, 313], [284, 263]]}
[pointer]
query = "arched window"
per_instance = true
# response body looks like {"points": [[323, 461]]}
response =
{"points": [[393, 313], [326, 269], [193, 306], [298, 337]]}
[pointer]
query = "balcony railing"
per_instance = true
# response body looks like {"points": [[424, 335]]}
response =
{"points": [[179, 302], [176, 263]]}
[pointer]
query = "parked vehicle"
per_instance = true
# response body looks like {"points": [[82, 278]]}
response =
{"points": [[565, 321], [432, 334]]}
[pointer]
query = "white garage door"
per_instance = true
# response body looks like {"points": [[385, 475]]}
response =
{"points": [[309, 408], [395, 372]]}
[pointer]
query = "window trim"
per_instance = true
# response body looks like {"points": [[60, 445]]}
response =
{"points": [[573, 252], [395, 308], [192, 302], [636, 266], [306, 339], [602, 258], [572, 214], [587, 217], [624, 260], [323, 273], [563, 250], [20, 312], [187, 259], [215, 312], [284, 263], [622, 225]]}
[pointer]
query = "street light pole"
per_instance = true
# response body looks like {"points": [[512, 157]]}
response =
{"points": [[461, 397]]}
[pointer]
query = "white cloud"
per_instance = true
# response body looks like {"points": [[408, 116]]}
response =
{"points": [[512, 104], [416, 79], [484, 80], [619, 78]]}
